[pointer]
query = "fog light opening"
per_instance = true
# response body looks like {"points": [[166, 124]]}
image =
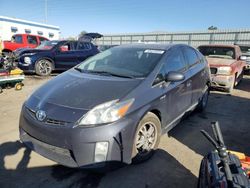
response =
{"points": [[101, 151]]}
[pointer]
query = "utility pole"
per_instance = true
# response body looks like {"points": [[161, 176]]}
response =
{"points": [[46, 11]]}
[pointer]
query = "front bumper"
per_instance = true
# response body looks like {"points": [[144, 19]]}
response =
{"points": [[75, 146], [221, 81], [27, 68]]}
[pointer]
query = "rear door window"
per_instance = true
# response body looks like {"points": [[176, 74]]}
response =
{"points": [[42, 39], [190, 56], [84, 46], [32, 40]]}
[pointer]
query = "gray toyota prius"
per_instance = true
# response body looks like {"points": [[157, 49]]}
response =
{"points": [[115, 105]]}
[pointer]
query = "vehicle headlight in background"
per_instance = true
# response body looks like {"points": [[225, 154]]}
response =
{"points": [[101, 151], [224, 70], [106, 113], [27, 60]]}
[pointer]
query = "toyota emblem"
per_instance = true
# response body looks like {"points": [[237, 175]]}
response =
{"points": [[40, 115]]}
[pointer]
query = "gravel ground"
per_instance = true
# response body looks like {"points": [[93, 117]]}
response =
{"points": [[174, 164]]}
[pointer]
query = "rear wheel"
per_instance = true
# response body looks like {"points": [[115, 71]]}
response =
{"points": [[147, 137], [43, 67]]}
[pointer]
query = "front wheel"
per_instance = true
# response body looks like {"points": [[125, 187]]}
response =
{"points": [[43, 67], [147, 137]]}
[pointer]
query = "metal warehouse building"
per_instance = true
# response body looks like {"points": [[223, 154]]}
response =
{"points": [[10, 26]]}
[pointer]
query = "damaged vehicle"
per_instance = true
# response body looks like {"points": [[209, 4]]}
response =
{"points": [[114, 106], [226, 64]]}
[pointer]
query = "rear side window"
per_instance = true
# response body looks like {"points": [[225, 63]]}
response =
{"points": [[201, 57], [84, 46], [32, 40], [175, 61], [190, 56]]}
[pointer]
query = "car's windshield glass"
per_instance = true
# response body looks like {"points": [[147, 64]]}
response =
{"points": [[46, 45], [218, 52], [245, 49], [121, 61]]}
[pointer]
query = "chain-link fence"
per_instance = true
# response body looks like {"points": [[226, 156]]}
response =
{"points": [[238, 36]]}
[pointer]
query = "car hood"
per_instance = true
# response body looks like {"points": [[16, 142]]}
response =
{"points": [[76, 90], [220, 61]]}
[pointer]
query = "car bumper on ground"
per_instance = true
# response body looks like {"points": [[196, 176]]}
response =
{"points": [[76, 146], [221, 81]]}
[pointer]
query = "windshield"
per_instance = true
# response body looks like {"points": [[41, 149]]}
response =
{"points": [[245, 49], [46, 45], [217, 52], [124, 62]]}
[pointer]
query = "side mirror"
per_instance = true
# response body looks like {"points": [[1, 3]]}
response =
{"points": [[243, 58], [173, 76]]}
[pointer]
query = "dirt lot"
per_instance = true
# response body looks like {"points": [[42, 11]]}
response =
{"points": [[175, 164]]}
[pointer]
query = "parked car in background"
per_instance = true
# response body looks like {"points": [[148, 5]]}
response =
{"points": [[105, 47], [226, 64], [245, 49], [22, 41], [55, 55], [115, 105]]}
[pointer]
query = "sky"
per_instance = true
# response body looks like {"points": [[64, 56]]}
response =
{"points": [[131, 16]]}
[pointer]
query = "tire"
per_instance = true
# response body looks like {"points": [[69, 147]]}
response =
{"points": [[43, 67], [1, 89], [203, 102], [18, 86], [143, 148]]}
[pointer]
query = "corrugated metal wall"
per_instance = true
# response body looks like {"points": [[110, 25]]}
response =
{"points": [[239, 36]]}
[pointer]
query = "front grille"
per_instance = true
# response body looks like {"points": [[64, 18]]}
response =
{"points": [[213, 70], [55, 122], [48, 120]]}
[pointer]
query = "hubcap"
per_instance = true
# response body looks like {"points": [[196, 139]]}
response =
{"points": [[44, 67], [146, 137]]}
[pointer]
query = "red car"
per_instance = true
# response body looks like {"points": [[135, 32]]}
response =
{"points": [[22, 41], [226, 65]]}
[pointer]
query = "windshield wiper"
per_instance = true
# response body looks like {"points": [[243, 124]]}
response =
{"points": [[78, 69], [111, 74]]}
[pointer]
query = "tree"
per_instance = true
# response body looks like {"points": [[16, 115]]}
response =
{"points": [[82, 33], [212, 28]]}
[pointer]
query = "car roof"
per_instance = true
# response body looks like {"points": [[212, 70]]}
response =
{"points": [[151, 46]]}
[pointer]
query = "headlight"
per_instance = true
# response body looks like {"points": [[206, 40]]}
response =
{"points": [[224, 70], [28, 54], [27, 60], [106, 113]]}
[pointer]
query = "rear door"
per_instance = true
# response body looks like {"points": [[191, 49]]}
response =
{"points": [[32, 41], [177, 94], [197, 73], [84, 50], [65, 56]]}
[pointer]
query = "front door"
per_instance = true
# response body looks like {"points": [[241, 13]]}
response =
{"points": [[178, 95], [65, 56]]}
